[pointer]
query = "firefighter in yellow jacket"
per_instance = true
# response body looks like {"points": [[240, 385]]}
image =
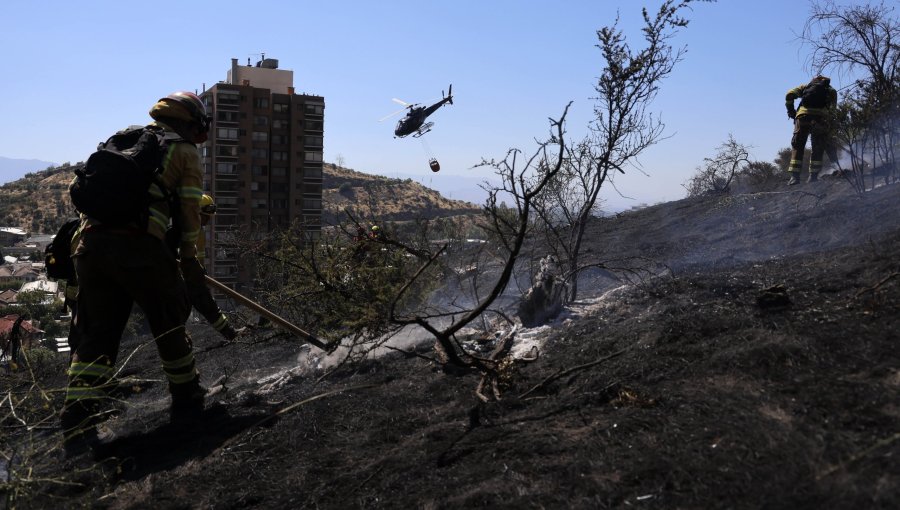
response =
{"points": [[119, 266], [813, 119]]}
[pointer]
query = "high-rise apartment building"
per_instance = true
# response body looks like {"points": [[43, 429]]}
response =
{"points": [[262, 162]]}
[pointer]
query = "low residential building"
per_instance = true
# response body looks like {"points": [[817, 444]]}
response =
{"points": [[12, 235], [48, 288], [26, 273], [8, 297], [38, 242]]}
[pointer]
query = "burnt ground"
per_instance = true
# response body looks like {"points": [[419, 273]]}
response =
{"points": [[761, 371]]}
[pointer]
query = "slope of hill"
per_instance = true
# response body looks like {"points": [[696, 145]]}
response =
{"points": [[760, 371]]}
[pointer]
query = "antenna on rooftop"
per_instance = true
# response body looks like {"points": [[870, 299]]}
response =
{"points": [[262, 56]]}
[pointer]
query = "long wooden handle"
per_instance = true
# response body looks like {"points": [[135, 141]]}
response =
{"points": [[212, 282]]}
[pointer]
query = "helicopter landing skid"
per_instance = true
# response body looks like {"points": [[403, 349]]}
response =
{"points": [[424, 129]]}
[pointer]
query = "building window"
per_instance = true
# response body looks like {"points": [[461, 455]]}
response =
{"points": [[312, 156], [260, 169], [260, 120], [279, 171], [228, 97], [279, 186], [260, 153], [312, 203], [279, 140], [227, 133], [279, 155], [278, 124], [225, 219], [312, 188], [312, 172], [227, 150], [260, 102], [280, 107], [226, 186], [226, 168], [259, 203], [313, 125], [226, 116], [313, 141], [314, 109], [260, 136]]}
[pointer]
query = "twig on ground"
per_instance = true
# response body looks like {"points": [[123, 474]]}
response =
{"points": [[563, 373], [875, 287], [858, 456], [295, 405], [12, 409]]}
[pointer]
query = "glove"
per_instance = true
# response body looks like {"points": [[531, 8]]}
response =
{"points": [[230, 333], [792, 113], [192, 270]]}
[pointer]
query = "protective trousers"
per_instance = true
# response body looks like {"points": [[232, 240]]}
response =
{"points": [[202, 300], [817, 128], [116, 270]]}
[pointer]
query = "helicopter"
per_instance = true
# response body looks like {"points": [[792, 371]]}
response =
{"points": [[414, 122]]}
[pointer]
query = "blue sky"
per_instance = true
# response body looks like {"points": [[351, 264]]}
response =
{"points": [[75, 72]]}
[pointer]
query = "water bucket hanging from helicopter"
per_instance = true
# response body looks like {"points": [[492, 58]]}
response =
{"points": [[432, 161]]}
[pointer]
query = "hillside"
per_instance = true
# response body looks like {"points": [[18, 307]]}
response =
{"points": [[759, 369], [39, 201], [372, 196]]}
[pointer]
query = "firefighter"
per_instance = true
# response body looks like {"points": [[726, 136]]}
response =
{"points": [[15, 343], [201, 296], [813, 119], [376, 234], [119, 266]]}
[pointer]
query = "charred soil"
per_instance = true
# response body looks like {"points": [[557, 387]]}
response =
{"points": [[759, 371]]}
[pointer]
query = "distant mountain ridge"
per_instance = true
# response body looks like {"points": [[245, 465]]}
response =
{"points": [[12, 169]]}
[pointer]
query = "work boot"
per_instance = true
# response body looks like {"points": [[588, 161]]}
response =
{"points": [[187, 402], [78, 422], [813, 177], [795, 179], [230, 333]]}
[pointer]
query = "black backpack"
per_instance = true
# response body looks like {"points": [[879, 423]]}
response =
{"points": [[815, 94], [58, 254], [113, 185]]}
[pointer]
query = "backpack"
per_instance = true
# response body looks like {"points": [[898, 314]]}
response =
{"points": [[113, 185], [815, 94], [58, 254]]}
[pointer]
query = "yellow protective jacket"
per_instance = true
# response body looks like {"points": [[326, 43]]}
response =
{"points": [[797, 92], [183, 176]]}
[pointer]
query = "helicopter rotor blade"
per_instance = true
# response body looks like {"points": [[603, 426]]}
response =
{"points": [[386, 117], [398, 101]]}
